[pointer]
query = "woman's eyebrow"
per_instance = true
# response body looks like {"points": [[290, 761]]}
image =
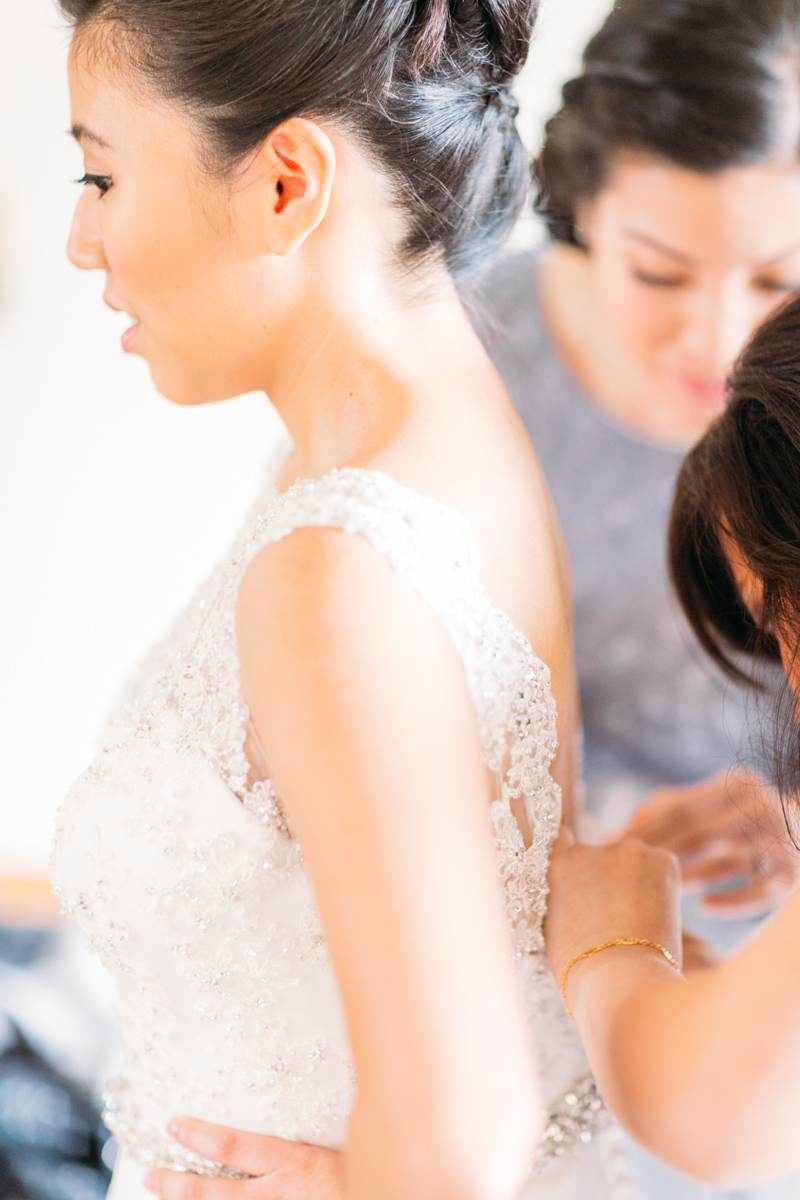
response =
{"points": [[685, 259], [688, 261], [82, 133], [776, 258]]}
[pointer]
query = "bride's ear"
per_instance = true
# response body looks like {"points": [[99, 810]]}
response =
{"points": [[296, 172]]}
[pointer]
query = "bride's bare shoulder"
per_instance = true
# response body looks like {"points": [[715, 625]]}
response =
{"points": [[317, 606]]}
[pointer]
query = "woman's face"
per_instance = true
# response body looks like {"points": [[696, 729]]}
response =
{"points": [[684, 266], [171, 239]]}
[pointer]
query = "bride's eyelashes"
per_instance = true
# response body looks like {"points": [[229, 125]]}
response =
{"points": [[101, 182]]}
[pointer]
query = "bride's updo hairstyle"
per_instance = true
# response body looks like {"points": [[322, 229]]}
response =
{"points": [[702, 84], [740, 486], [423, 85]]}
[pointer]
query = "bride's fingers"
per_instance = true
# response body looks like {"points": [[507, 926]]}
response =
{"points": [[180, 1185], [284, 1170], [248, 1152]]}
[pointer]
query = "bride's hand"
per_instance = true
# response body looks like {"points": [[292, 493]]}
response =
{"points": [[283, 1170], [598, 894]]}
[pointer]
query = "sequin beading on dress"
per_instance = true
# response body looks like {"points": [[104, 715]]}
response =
{"points": [[191, 888]]}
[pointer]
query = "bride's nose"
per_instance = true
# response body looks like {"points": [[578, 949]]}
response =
{"points": [[85, 247]]}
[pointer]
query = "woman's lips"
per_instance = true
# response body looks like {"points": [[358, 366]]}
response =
{"points": [[713, 391]]}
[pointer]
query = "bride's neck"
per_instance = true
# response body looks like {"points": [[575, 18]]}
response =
{"points": [[359, 364]]}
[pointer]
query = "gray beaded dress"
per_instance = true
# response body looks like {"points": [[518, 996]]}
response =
{"points": [[183, 871]]}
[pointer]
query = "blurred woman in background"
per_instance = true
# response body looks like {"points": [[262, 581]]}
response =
{"points": [[670, 186]]}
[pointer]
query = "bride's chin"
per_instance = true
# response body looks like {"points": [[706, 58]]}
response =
{"points": [[188, 380], [176, 384], [187, 392]]}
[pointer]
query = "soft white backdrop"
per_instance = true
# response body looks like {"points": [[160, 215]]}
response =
{"points": [[114, 503]]}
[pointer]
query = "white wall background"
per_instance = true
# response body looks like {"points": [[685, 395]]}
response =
{"points": [[113, 504]]}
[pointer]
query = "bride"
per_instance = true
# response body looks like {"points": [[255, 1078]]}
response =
{"points": [[286, 851]]}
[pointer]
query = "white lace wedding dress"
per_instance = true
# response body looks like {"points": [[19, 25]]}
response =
{"points": [[176, 859]]}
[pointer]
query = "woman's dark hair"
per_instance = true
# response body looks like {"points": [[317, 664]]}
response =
{"points": [[739, 489], [704, 84], [423, 84]]}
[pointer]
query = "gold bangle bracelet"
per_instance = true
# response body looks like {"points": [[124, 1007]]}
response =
{"points": [[607, 946]]}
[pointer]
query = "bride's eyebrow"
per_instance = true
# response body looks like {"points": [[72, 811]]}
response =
{"points": [[82, 133]]}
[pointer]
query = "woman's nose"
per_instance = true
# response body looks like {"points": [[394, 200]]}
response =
{"points": [[720, 323], [85, 248]]}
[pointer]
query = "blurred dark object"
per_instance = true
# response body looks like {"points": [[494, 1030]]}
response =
{"points": [[52, 1141], [10, 1186]]}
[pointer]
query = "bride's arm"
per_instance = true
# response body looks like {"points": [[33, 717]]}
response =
{"points": [[359, 699], [704, 1072]]}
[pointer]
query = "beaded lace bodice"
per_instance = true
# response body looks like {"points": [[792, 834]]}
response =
{"points": [[186, 877]]}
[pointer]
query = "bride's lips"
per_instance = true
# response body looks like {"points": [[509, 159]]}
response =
{"points": [[130, 335]]}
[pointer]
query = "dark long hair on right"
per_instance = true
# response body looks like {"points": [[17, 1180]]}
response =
{"points": [[739, 488], [703, 84]]}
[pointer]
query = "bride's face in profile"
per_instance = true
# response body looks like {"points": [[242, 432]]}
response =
{"points": [[197, 260]]}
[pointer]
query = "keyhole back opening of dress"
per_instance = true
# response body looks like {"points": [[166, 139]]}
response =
{"points": [[254, 753]]}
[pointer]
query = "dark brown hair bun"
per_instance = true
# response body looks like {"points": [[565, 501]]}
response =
{"points": [[423, 84]]}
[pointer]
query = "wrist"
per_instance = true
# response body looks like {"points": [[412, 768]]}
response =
{"points": [[606, 977]]}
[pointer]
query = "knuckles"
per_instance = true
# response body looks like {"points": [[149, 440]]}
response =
{"points": [[227, 1147], [193, 1188], [634, 858], [168, 1185], [637, 854]]}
